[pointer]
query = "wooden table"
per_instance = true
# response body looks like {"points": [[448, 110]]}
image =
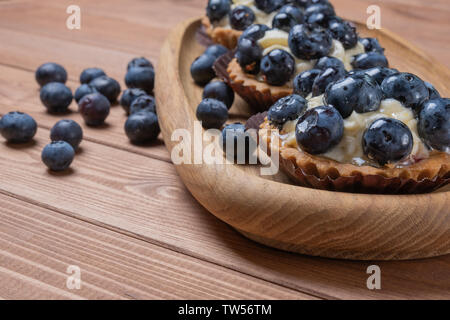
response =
{"points": [[121, 214]]}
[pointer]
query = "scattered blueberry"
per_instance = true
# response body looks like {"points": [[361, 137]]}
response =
{"points": [[309, 43], [241, 17], [128, 96], [319, 129], [94, 108], [83, 90], [237, 135], [284, 21], [434, 124], [141, 78], [140, 62], [372, 45], [90, 74], [407, 88], [369, 60], [143, 103], [326, 77], [387, 140], [269, 6], [107, 86], [329, 62], [319, 14], [142, 127], [249, 55], [434, 94], [345, 32], [202, 69], [216, 50], [58, 155], [377, 73], [255, 31], [277, 67], [217, 9], [50, 72], [56, 97], [68, 131], [219, 90], [287, 108], [17, 127], [293, 11], [304, 81], [213, 113]]}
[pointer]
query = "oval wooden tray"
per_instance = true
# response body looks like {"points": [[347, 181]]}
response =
{"points": [[272, 211]]}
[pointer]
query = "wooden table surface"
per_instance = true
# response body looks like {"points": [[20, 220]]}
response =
{"points": [[121, 214]]}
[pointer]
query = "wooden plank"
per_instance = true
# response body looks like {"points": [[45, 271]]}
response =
{"points": [[144, 198], [38, 245]]}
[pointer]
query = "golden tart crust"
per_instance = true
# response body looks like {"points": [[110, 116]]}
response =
{"points": [[224, 36]]}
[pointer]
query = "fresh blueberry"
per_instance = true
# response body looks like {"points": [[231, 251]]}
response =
{"points": [[216, 50], [283, 21], [17, 127], [329, 62], [83, 90], [277, 67], [68, 131], [255, 31], [345, 32], [241, 17], [139, 63], [219, 90], [90, 74], [319, 129], [372, 45], [202, 69], [50, 72], [269, 6], [217, 9], [213, 113], [287, 108], [369, 60], [326, 77], [407, 88], [143, 103], [249, 55], [434, 124], [293, 11], [377, 73], [107, 86], [56, 97], [234, 137], [304, 81], [142, 127], [434, 94], [94, 108], [58, 155], [387, 141], [128, 96], [141, 78], [319, 14], [309, 43], [361, 94]]}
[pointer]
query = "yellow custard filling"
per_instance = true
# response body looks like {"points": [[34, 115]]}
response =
{"points": [[350, 150]]}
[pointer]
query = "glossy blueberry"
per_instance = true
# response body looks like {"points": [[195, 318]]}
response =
{"points": [[90, 74], [277, 67], [287, 108], [434, 94], [319, 14], [269, 6], [219, 90], [434, 124], [217, 9], [249, 55], [377, 73], [68, 131], [143, 103], [202, 69], [407, 88], [56, 97], [94, 108], [107, 86], [128, 96], [372, 45], [304, 81], [326, 77], [361, 94], [309, 43], [216, 50], [50, 72], [241, 17], [369, 60], [343, 31], [234, 137], [284, 21], [140, 62], [255, 31], [17, 127], [142, 127], [58, 155], [293, 11], [213, 113], [319, 129], [141, 78], [83, 90], [387, 141], [329, 62]]}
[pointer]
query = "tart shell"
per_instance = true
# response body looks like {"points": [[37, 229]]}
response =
{"points": [[312, 171], [224, 36]]}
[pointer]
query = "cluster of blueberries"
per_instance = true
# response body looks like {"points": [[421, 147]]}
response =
{"points": [[94, 97]]}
